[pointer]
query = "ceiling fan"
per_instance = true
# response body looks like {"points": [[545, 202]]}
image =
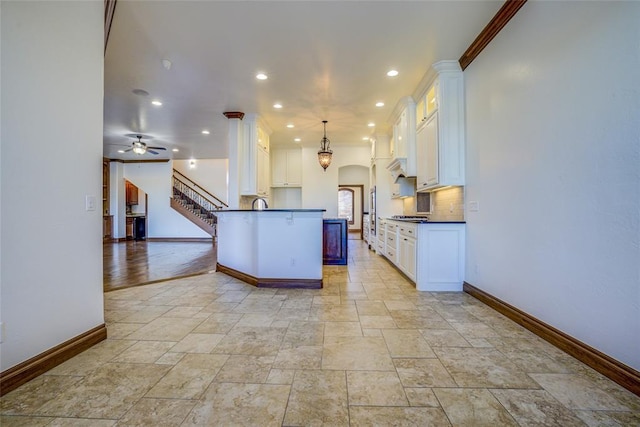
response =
{"points": [[140, 147]]}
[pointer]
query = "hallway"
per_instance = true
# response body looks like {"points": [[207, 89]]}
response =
{"points": [[368, 349]]}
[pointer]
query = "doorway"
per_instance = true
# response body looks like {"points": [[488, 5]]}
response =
{"points": [[350, 206]]}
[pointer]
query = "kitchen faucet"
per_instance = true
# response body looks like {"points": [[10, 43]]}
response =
{"points": [[253, 204]]}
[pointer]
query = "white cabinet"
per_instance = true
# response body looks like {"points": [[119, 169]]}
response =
{"points": [[403, 145], [440, 251], [263, 172], [407, 249], [427, 154], [430, 254], [392, 242], [286, 168], [440, 147], [381, 241], [255, 176]]}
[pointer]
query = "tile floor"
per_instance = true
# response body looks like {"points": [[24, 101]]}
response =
{"points": [[365, 350]]}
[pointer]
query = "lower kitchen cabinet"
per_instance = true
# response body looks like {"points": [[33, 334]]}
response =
{"points": [[430, 254], [407, 250], [334, 241]]}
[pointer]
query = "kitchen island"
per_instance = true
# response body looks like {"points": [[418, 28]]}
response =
{"points": [[271, 248]]}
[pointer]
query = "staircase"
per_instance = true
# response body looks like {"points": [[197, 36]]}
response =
{"points": [[195, 203]]}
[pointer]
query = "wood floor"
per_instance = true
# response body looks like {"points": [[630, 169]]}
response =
{"points": [[134, 263], [131, 263]]}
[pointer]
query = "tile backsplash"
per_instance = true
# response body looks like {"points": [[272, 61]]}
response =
{"points": [[448, 205]]}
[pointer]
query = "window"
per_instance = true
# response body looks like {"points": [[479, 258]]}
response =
{"points": [[345, 204]]}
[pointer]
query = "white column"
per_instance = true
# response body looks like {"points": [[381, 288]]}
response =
{"points": [[235, 138]]}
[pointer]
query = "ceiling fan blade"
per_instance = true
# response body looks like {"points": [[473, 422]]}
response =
{"points": [[128, 150], [151, 151], [158, 148]]}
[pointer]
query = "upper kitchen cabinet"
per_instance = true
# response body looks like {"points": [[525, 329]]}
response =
{"points": [[255, 177], [403, 144], [131, 193], [286, 168], [440, 132]]}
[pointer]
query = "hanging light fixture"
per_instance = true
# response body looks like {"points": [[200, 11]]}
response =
{"points": [[325, 153], [139, 147]]}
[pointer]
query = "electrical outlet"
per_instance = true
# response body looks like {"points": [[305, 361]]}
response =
{"points": [[293, 262], [474, 206]]}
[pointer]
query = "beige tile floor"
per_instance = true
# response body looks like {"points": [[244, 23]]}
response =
{"points": [[365, 350]]}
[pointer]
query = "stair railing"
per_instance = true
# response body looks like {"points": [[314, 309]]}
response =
{"points": [[196, 193]]}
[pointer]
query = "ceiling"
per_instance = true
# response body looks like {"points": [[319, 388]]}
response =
{"points": [[325, 60]]}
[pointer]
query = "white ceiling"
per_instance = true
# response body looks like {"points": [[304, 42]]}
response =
{"points": [[326, 60]]}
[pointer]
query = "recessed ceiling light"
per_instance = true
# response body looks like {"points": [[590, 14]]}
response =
{"points": [[205, 132], [261, 76], [365, 138], [120, 151], [297, 139], [175, 150], [392, 73], [371, 124], [290, 125], [166, 64], [156, 103], [277, 105], [380, 104]]}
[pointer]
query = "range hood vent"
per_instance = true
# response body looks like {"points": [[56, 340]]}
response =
{"points": [[397, 168]]}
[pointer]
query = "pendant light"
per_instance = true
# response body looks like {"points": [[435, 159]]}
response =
{"points": [[325, 153]]}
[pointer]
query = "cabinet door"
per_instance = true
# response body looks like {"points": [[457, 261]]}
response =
{"points": [[263, 172], [279, 168], [421, 111], [334, 242], [408, 257], [400, 143], [294, 168], [131, 193], [421, 159], [431, 150]]}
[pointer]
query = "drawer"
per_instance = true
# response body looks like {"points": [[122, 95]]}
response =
{"points": [[391, 239], [391, 254], [392, 227], [409, 230]]}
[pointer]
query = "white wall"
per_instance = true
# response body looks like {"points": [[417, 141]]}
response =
{"points": [[320, 189], [162, 220], [553, 158], [354, 174], [211, 174], [51, 144]]}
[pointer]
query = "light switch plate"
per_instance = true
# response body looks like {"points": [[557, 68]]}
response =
{"points": [[90, 203], [474, 206]]}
